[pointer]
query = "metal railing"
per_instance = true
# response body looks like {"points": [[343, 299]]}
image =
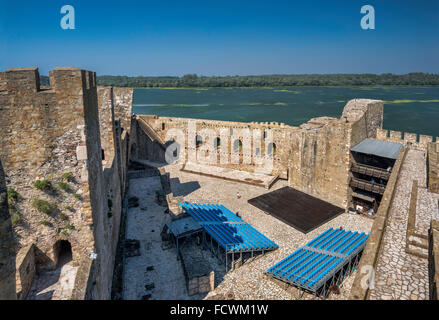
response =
{"points": [[367, 185], [370, 171]]}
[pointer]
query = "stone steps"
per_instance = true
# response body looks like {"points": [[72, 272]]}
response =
{"points": [[417, 251]]}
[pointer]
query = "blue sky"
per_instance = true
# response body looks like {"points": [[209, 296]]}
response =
{"points": [[227, 37]]}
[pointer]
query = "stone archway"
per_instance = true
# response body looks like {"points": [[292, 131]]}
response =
{"points": [[198, 141], [237, 145], [217, 143], [62, 250], [271, 149]]}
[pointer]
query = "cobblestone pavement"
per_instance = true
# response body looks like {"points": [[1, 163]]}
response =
{"points": [[144, 223], [249, 281], [400, 275], [54, 284]]}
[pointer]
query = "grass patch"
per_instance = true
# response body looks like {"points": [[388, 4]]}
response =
{"points": [[77, 196], [43, 185], [70, 227], [67, 176], [13, 195], [64, 233], [15, 217], [44, 222], [64, 186], [44, 206], [69, 208]]}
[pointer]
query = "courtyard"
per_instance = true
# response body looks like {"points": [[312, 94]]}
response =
{"points": [[157, 274]]}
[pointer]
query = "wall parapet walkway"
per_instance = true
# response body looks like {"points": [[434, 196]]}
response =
{"points": [[370, 254]]}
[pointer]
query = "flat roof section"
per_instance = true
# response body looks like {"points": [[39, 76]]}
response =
{"points": [[297, 209], [231, 232], [184, 227], [385, 149]]}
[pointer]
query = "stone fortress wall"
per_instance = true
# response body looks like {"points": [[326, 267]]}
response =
{"points": [[314, 157], [229, 133], [413, 140], [75, 127], [433, 166], [54, 134]]}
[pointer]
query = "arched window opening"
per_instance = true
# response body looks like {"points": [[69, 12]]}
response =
{"points": [[271, 149], [198, 141], [237, 145], [217, 143]]}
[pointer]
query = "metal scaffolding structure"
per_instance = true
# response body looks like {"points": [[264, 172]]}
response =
{"points": [[228, 235], [323, 262]]}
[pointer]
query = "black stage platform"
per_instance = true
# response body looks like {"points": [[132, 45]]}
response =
{"points": [[298, 209]]}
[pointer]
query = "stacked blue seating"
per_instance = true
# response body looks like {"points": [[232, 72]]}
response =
{"points": [[311, 265], [229, 231]]}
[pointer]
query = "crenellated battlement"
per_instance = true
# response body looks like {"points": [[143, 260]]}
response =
{"points": [[417, 141], [23, 80]]}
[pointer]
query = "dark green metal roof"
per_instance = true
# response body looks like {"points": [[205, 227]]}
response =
{"points": [[385, 149]]}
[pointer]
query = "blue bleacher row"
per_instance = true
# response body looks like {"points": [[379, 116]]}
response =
{"points": [[306, 267], [233, 234]]}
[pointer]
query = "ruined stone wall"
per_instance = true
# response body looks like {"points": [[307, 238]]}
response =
{"points": [[314, 157], [433, 167], [144, 147], [106, 120], [320, 158], [122, 100], [25, 270], [115, 145], [54, 133], [43, 130], [7, 244], [229, 133], [365, 117]]}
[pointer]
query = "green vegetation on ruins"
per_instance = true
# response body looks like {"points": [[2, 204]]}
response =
{"points": [[13, 196], [64, 186], [43, 185], [44, 206], [15, 217], [276, 80], [67, 176]]}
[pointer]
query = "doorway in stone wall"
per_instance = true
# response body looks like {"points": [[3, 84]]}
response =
{"points": [[63, 252], [56, 284], [133, 151]]}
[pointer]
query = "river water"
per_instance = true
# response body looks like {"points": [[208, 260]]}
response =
{"points": [[407, 109]]}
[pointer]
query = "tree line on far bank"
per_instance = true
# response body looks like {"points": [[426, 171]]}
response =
{"points": [[193, 80]]}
